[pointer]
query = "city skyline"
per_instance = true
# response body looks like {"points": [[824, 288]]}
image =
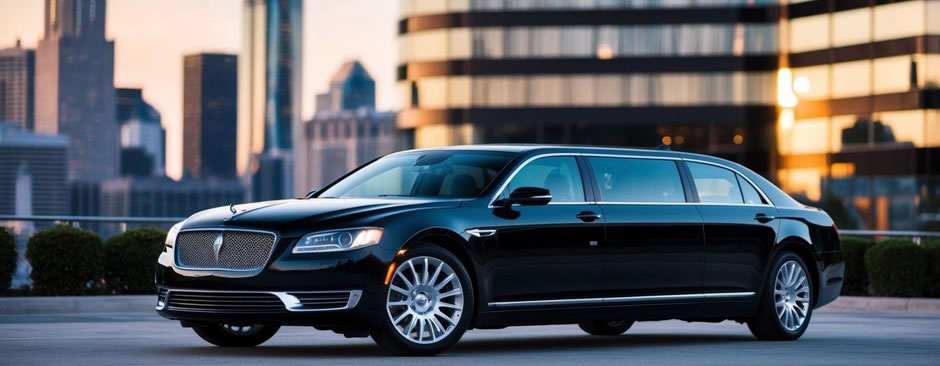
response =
{"points": [[148, 54]]}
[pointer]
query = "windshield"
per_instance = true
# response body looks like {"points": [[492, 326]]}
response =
{"points": [[436, 173]]}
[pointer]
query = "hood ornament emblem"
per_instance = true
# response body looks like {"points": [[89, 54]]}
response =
{"points": [[231, 207], [217, 246]]}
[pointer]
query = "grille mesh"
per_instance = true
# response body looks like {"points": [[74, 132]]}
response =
{"points": [[240, 250]]}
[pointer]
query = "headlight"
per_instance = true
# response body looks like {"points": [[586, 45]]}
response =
{"points": [[339, 240], [171, 235]]}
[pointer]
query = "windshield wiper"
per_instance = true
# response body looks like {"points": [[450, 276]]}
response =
{"points": [[395, 195]]}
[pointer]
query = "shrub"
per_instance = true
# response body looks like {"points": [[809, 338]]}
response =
{"points": [[856, 279], [932, 287], [896, 267], [7, 259], [129, 260], [65, 261]]}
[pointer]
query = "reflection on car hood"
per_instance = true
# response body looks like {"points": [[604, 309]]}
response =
{"points": [[284, 212]]}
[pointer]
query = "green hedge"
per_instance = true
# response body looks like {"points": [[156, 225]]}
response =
{"points": [[896, 267], [932, 286], [7, 259], [129, 260], [856, 279], [65, 261]]}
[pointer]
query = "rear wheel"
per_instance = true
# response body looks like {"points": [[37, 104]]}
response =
{"points": [[606, 327], [240, 335], [786, 305], [429, 303]]}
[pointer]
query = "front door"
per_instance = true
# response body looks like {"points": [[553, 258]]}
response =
{"points": [[547, 255]]}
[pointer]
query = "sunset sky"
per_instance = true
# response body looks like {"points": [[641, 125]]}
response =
{"points": [[151, 37]]}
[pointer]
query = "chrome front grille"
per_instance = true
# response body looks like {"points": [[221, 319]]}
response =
{"points": [[223, 249], [224, 302]]}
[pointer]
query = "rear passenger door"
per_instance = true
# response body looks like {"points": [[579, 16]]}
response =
{"points": [[740, 229], [654, 242]]}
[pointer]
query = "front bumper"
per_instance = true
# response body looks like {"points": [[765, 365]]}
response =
{"points": [[330, 291]]}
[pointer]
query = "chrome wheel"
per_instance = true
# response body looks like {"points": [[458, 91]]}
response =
{"points": [[791, 295], [425, 300]]}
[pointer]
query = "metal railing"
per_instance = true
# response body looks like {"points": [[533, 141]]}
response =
{"points": [[916, 236]]}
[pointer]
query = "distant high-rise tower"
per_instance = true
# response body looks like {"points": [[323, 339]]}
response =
{"points": [[17, 83], [143, 139], [351, 88], [75, 87], [210, 96], [270, 91]]}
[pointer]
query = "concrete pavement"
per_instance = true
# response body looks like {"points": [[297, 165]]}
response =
{"points": [[844, 338]]}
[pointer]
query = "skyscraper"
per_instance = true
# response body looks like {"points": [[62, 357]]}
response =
{"points": [[32, 172], [210, 97], [75, 87], [143, 139], [270, 90], [346, 131], [17, 84]]}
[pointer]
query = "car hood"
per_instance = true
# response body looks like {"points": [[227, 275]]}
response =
{"points": [[293, 212]]}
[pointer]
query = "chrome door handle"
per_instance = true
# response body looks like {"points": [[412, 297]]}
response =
{"points": [[588, 216], [762, 218]]}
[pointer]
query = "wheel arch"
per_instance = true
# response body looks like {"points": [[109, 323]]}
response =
{"points": [[454, 243], [803, 249]]}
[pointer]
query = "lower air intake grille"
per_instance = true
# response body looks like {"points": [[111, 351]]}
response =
{"points": [[224, 302], [323, 300]]}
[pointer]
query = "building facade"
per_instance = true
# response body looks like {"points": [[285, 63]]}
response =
{"points": [[698, 76], [270, 88], [864, 137], [210, 115], [75, 87], [17, 86], [143, 139], [164, 197], [33, 172], [836, 101]]}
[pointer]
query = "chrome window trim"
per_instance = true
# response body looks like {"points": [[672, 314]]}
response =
{"points": [[615, 300], [291, 303], [176, 263], [515, 171], [735, 171]]}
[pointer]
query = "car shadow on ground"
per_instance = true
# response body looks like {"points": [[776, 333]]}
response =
{"points": [[492, 346]]}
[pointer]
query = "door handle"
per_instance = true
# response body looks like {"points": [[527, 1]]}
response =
{"points": [[763, 218], [588, 216]]}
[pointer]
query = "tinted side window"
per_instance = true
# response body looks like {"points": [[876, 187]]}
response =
{"points": [[637, 180], [751, 196], [714, 184], [560, 175]]}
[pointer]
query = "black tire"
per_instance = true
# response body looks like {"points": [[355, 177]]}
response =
{"points": [[387, 335], [766, 325], [606, 327], [221, 335]]}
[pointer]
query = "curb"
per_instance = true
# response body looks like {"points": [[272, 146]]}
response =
{"points": [[77, 304], [895, 304]]}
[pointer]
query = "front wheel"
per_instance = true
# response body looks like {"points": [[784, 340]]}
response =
{"points": [[241, 335], [429, 303], [786, 305], [606, 328]]}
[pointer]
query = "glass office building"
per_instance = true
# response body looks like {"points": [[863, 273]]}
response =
{"points": [[864, 135], [836, 100], [699, 76]]}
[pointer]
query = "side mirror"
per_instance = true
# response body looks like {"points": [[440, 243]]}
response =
{"points": [[529, 196]]}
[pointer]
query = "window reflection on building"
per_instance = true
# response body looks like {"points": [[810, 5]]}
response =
{"points": [[734, 88], [584, 41], [421, 7]]}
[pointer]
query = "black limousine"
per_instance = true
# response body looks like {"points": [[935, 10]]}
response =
{"points": [[416, 247]]}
